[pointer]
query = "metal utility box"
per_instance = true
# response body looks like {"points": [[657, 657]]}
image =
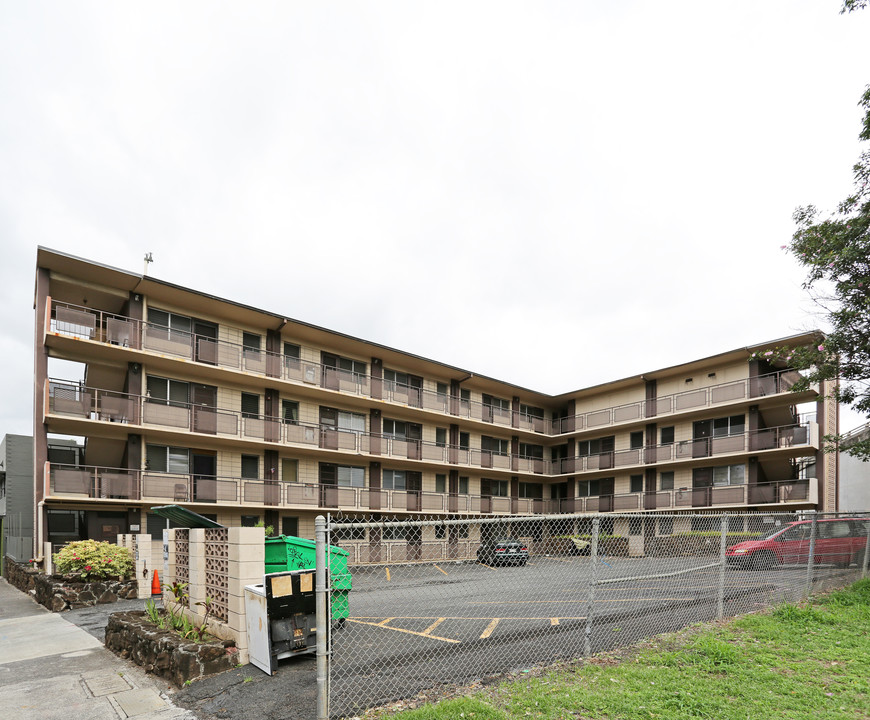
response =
{"points": [[287, 552], [281, 618]]}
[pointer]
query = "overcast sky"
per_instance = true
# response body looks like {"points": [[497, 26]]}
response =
{"points": [[556, 194]]}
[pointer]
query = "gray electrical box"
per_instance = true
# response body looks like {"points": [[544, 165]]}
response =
{"points": [[280, 615]]}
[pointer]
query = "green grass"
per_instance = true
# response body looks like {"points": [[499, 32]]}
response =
{"points": [[796, 662]]}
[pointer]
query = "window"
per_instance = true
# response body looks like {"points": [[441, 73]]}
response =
{"points": [[250, 520], [636, 440], [354, 367], [251, 467], [588, 488], [393, 480], [667, 435], [464, 441], [706, 523], [442, 389], [396, 429], [498, 488], [291, 355], [495, 406], [178, 327], [464, 396], [290, 526], [735, 524], [666, 481], [393, 378], [729, 475], [351, 476], [440, 483], [159, 458], [636, 483], [250, 405], [497, 446], [344, 421], [251, 342], [290, 412], [463, 486], [346, 530], [167, 392], [596, 446], [529, 412], [155, 525], [534, 491], [396, 533], [440, 532], [734, 425], [531, 451], [666, 526], [635, 526], [289, 470], [441, 437]]}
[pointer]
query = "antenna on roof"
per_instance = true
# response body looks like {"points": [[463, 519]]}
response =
{"points": [[148, 259]]}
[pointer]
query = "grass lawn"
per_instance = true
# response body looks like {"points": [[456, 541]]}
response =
{"points": [[796, 661]]}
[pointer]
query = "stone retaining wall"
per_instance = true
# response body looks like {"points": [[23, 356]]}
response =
{"points": [[162, 652], [19, 575]]}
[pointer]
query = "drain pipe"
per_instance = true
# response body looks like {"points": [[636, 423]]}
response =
{"points": [[39, 530]]}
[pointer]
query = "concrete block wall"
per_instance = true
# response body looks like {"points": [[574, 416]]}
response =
{"points": [[246, 554]]}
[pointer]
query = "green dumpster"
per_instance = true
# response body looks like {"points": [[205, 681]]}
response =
{"points": [[286, 552]]}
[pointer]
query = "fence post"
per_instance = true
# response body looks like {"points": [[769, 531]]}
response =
{"points": [[593, 557], [811, 556], [723, 536], [323, 621], [866, 549]]}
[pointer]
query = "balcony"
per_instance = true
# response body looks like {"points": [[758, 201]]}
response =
{"points": [[108, 329], [72, 400], [115, 484]]}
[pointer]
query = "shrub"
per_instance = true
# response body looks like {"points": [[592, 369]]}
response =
{"points": [[92, 560]]}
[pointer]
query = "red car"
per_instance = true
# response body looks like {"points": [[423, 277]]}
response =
{"points": [[841, 541]]}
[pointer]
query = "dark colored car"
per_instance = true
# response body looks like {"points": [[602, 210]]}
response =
{"points": [[841, 541], [503, 551]]}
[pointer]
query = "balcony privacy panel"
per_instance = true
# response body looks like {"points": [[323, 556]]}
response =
{"points": [[166, 342], [116, 485], [601, 417], [626, 457], [204, 420], [75, 322], [731, 444], [626, 412], [165, 487], [627, 502], [724, 393], [167, 415], [117, 408], [227, 423], [306, 495], [301, 434], [691, 399], [433, 401], [254, 361], [76, 482], [122, 332], [68, 400]]}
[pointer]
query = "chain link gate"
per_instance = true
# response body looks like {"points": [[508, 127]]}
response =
{"points": [[441, 602]]}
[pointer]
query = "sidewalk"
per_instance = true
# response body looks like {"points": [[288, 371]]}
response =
{"points": [[51, 668]]}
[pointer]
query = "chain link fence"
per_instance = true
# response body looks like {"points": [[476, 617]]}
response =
{"points": [[440, 601]]}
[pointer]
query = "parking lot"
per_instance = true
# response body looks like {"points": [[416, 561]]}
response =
{"points": [[414, 626]]}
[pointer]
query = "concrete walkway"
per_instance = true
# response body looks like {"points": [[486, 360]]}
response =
{"points": [[51, 668]]}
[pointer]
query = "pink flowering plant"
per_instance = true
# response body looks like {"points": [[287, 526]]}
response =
{"points": [[92, 560]]}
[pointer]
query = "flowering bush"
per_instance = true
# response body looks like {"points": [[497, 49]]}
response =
{"points": [[94, 560]]}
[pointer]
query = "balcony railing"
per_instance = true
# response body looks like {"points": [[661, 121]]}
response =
{"points": [[89, 324], [73, 399], [98, 483]]}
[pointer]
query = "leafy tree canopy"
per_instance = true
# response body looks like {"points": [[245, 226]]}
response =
{"points": [[835, 251]]}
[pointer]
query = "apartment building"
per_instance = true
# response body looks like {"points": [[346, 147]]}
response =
{"points": [[244, 415]]}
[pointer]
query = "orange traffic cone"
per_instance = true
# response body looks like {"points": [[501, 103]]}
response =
{"points": [[155, 584]]}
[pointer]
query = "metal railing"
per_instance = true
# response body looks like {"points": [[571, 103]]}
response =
{"points": [[74, 399], [102, 483], [110, 328]]}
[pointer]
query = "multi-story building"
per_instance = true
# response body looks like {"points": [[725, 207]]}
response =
{"points": [[16, 498], [245, 415]]}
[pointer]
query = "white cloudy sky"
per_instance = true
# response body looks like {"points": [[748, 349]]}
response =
{"points": [[556, 194]]}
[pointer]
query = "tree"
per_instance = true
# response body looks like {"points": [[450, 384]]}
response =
{"points": [[836, 253]]}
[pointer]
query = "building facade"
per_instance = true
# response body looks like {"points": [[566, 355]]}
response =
{"points": [[16, 498], [248, 416], [854, 474]]}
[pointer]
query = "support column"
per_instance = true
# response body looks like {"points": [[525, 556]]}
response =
{"points": [[40, 434]]}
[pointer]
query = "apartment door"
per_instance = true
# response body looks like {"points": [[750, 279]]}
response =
{"points": [[415, 391], [702, 487], [203, 403], [485, 495], [414, 436], [329, 428], [702, 433], [605, 494], [328, 485], [205, 344], [329, 376], [413, 487], [559, 498], [204, 467]]}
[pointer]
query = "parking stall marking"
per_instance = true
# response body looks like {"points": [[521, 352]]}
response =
{"points": [[403, 630], [490, 628], [440, 570]]}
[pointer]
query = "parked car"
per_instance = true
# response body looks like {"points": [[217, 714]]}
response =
{"points": [[841, 541], [503, 551]]}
